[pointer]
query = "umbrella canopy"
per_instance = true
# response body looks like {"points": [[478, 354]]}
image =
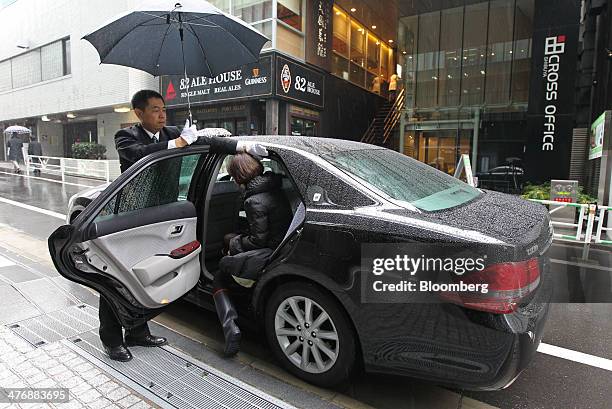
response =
{"points": [[17, 129], [165, 37]]}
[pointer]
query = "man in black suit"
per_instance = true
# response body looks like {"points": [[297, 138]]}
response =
{"points": [[133, 143]]}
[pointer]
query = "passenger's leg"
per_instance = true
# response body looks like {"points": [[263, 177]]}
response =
{"points": [[227, 313]]}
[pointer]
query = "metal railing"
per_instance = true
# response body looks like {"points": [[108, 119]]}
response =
{"points": [[385, 128], [593, 231], [106, 170]]}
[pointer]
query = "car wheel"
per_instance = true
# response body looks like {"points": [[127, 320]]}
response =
{"points": [[310, 334]]}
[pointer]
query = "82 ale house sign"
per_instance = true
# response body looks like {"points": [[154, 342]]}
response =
{"points": [[296, 82], [251, 80]]}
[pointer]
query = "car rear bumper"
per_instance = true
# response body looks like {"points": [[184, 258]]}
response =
{"points": [[457, 347]]}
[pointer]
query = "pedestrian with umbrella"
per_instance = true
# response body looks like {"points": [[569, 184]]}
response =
{"points": [[15, 145], [167, 38]]}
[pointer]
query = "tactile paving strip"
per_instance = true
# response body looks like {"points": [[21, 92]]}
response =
{"points": [[57, 325], [180, 381], [164, 374]]}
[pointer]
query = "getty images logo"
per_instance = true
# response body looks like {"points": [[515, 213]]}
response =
{"points": [[554, 47]]}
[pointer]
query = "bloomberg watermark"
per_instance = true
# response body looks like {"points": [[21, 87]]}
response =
{"points": [[554, 48]]}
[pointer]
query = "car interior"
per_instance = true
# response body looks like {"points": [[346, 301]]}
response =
{"points": [[224, 212]]}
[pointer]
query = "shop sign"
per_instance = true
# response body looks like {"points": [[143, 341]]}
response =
{"points": [[564, 191], [296, 82], [251, 80], [596, 137], [551, 111], [319, 33]]}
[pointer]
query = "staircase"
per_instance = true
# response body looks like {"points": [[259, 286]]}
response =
{"points": [[387, 117]]}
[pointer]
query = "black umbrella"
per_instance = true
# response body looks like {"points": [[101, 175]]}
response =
{"points": [[165, 37]]}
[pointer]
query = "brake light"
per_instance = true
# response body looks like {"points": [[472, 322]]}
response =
{"points": [[508, 284]]}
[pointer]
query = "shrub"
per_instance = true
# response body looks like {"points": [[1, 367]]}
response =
{"points": [[88, 150], [542, 192]]}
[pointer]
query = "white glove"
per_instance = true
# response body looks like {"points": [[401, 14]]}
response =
{"points": [[214, 132], [189, 133], [251, 148]]}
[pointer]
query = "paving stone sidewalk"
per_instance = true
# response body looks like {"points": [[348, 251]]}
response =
{"points": [[56, 366]]}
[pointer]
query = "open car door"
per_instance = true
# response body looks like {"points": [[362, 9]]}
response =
{"points": [[136, 242]]}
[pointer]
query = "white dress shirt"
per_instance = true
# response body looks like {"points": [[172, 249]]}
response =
{"points": [[155, 136]]}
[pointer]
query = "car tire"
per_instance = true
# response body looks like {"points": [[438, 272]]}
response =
{"points": [[328, 361]]}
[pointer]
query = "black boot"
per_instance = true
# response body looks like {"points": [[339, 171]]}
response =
{"points": [[227, 315]]}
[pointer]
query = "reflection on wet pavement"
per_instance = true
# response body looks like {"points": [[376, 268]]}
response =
{"points": [[581, 273]]}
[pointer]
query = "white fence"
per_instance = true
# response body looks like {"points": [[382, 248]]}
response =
{"points": [[590, 226], [107, 170]]}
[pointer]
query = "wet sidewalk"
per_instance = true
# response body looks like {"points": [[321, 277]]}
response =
{"points": [[49, 339]]}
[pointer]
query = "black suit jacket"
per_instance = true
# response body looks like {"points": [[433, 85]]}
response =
{"points": [[134, 143]]}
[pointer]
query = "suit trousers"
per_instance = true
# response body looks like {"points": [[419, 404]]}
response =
{"points": [[111, 333]]}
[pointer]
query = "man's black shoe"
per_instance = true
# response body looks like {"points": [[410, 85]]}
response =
{"points": [[118, 353], [146, 341]]}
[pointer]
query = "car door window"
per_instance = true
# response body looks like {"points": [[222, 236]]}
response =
{"points": [[164, 182]]}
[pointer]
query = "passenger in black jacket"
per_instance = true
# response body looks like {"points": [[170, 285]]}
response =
{"points": [[269, 215]]}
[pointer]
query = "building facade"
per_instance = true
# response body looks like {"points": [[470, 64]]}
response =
{"points": [[324, 71], [51, 80], [492, 79]]}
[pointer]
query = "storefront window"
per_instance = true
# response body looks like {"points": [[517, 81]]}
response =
{"points": [[499, 52], [265, 28], [252, 10], [373, 59], [474, 54], [407, 39], [289, 41], [450, 57], [386, 62], [427, 64], [341, 33], [523, 27], [290, 13], [357, 44], [340, 66]]}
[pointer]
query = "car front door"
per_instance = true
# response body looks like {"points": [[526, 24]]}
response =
{"points": [[136, 243]]}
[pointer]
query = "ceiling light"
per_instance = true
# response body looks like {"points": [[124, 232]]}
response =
{"points": [[510, 51], [122, 110], [404, 52], [337, 13], [390, 41], [378, 42], [482, 72], [373, 27], [434, 78], [465, 74], [44, 118], [492, 53], [482, 55], [353, 9], [70, 115]]}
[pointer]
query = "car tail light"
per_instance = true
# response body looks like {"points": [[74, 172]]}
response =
{"points": [[508, 284]]}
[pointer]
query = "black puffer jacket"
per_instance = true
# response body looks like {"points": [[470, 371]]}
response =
{"points": [[268, 213]]}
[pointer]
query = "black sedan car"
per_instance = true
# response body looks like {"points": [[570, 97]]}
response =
{"points": [[156, 233]]}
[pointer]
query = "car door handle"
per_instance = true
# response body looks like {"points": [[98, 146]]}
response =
{"points": [[177, 230]]}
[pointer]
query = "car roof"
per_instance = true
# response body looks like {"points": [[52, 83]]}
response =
{"points": [[311, 144]]}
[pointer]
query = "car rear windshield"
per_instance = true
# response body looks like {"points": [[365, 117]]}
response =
{"points": [[403, 178]]}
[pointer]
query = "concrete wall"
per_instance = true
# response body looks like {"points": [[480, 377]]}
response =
{"points": [[108, 125], [90, 85]]}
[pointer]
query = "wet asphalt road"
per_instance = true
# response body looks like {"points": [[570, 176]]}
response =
{"points": [[579, 320]]}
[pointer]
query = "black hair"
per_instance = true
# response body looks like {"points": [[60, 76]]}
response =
{"points": [[141, 98]]}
